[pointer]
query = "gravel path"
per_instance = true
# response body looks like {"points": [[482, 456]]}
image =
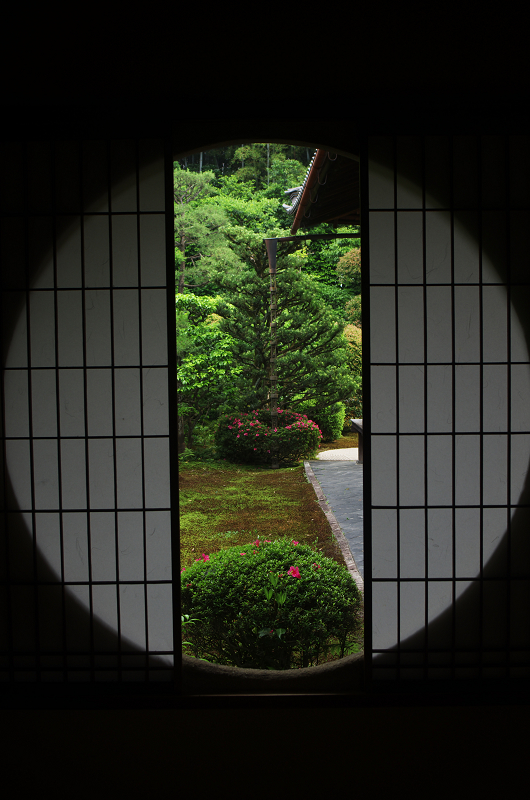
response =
{"points": [[341, 485]]}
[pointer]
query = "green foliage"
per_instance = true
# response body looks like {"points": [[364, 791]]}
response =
{"points": [[200, 245], [354, 403], [324, 256], [353, 311], [330, 420], [270, 605], [206, 370], [249, 437], [349, 270]]}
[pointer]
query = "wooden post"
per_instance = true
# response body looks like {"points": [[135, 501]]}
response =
{"points": [[271, 245]]}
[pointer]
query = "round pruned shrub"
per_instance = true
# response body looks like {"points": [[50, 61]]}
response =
{"points": [[248, 437], [330, 420], [270, 605]]}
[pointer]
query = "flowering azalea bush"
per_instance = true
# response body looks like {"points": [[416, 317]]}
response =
{"points": [[248, 437], [270, 605]]}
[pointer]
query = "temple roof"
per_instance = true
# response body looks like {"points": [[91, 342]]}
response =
{"points": [[329, 193]]}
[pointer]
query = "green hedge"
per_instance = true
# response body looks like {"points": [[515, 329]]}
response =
{"points": [[250, 438], [330, 420], [270, 605]]}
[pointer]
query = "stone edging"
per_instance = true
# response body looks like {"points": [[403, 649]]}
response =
{"points": [[335, 527]]}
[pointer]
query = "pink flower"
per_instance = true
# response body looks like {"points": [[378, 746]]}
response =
{"points": [[295, 542], [256, 542], [294, 571], [255, 448], [237, 437], [205, 557], [246, 434], [242, 554]]}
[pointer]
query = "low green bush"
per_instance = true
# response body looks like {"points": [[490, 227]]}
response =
{"points": [[270, 605], [330, 420], [250, 438]]}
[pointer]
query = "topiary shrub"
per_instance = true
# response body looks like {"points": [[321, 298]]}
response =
{"points": [[330, 420], [250, 438], [270, 605]]}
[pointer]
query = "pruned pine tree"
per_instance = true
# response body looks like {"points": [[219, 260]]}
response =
{"points": [[200, 247], [311, 348]]}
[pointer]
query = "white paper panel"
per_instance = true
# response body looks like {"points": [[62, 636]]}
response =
{"points": [[73, 473], [158, 545], [48, 539], [96, 251], [440, 543], [156, 472], [75, 546], [382, 256], [440, 470], [124, 250], [384, 619], [495, 469], [466, 321], [154, 327], [411, 543], [439, 599], [495, 542], [520, 459], [467, 542], [160, 618], [103, 545], [129, 473], [467, 398], [495, 398], [98, 336], [99, 402], [155, 405], [131, 546], [411, 399], [127, 404], [384, 470], [520, 396], [466, 247], [126, 327], [69, 253], [438, 247], [467, 470], [42, 329], [132, 616], [152, 250], [70, 328], [382, 324], [384, 543], [410, 332], [412, 612], [45, 472], [439, 325], [383, 387], [101, 473], [16, 403], [72, 402], [411, 470], [439, 398], [410, 247]]}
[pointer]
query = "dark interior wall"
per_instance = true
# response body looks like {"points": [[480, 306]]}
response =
{"points": [[379, 87]]}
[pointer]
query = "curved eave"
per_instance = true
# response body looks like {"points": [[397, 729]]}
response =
{"points": [[330, 193]]}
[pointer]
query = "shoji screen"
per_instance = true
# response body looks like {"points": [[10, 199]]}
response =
{"points": [[86, 555], [448, 532]]}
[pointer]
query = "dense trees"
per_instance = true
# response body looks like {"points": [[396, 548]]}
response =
{"points": [[223, 337]]}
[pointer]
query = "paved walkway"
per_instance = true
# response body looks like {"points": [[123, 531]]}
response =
{"points": [[341, 481]]}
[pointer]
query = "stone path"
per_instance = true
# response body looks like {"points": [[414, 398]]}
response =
{"points": [[341, 484]]}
